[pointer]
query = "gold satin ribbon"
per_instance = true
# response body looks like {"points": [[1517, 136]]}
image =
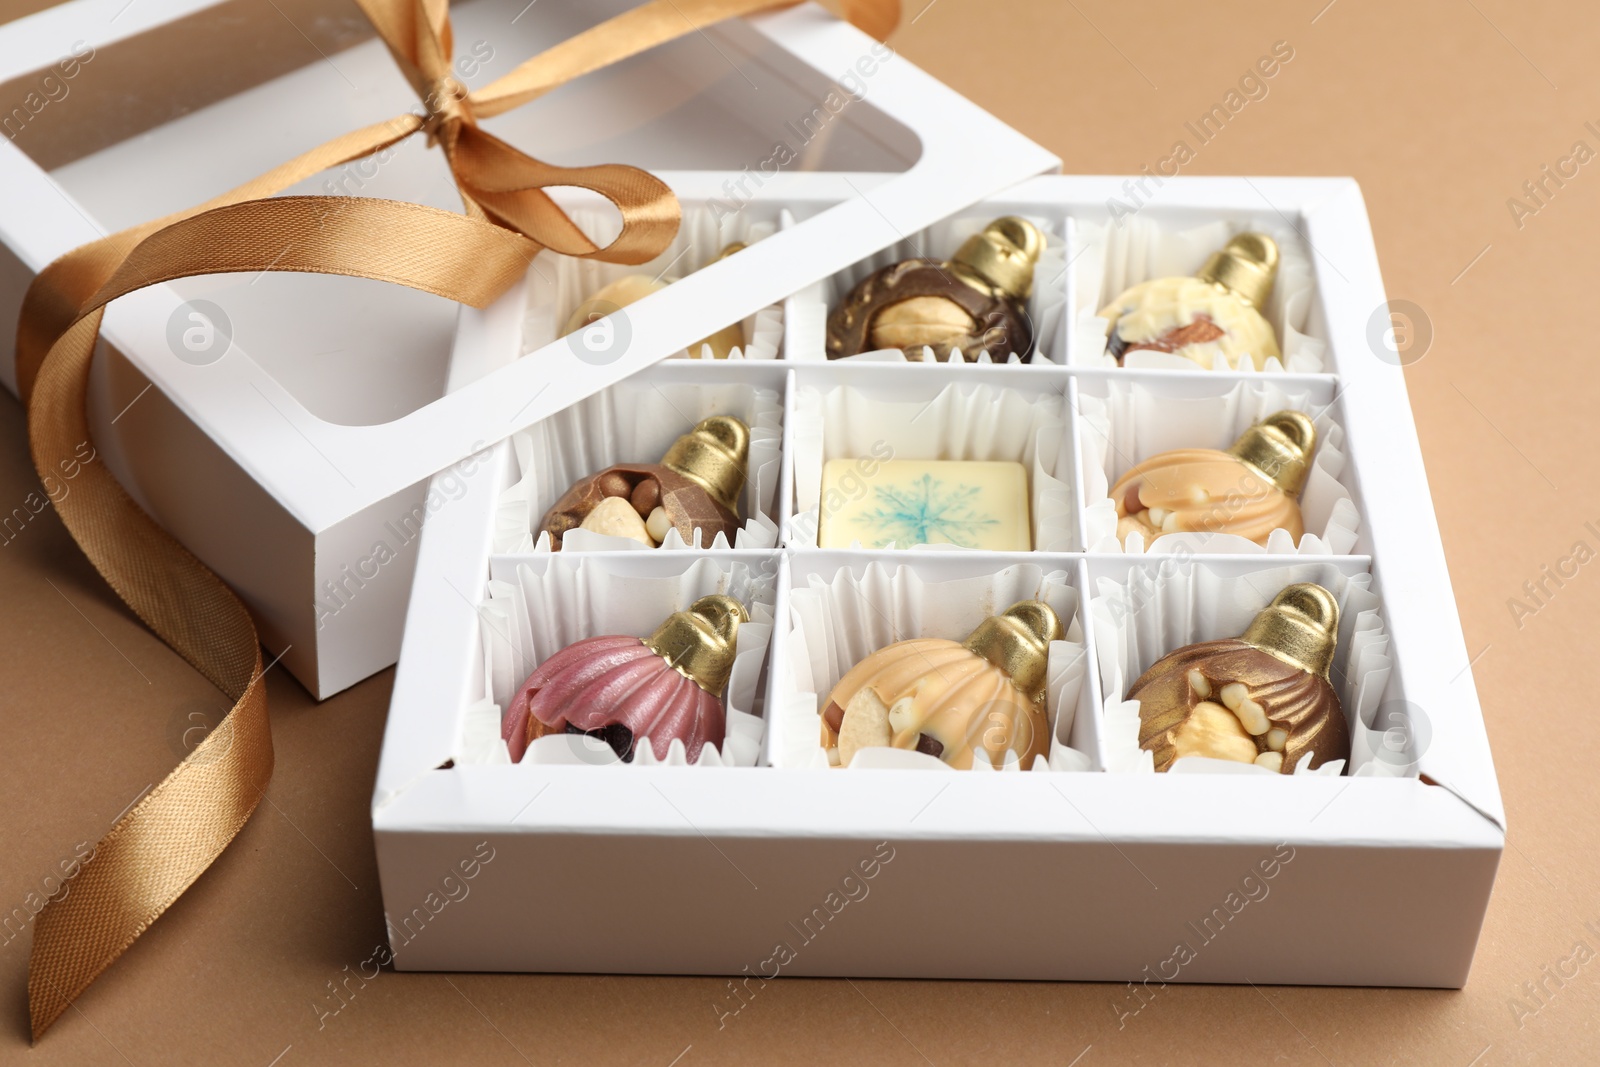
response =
{"points": [[169, 838]]}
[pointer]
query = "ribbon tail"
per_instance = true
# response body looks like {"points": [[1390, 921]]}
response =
{"points": [[160, 847], [163, 844]]}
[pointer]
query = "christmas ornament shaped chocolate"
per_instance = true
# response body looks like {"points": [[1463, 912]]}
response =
{"points": [[627, 691], [695, 487], [1261, 698], [632, 287], [1250, 490], [974, 302], [1213, 319], [959, 701]]}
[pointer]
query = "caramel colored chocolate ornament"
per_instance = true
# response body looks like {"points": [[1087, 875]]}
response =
{"points": [[1216, 313], [624, 690], [1250, 490], [957, 701], [696, 486], [632, 287], [972, 303], [1261, 698]]}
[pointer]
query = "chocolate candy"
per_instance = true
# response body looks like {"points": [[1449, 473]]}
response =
{"points": [[696, 486], [625, 691], [909, 502], [631, 287], [1250, 490], [972, 303], [1260, 698], [955, 701], [1213, 319]]}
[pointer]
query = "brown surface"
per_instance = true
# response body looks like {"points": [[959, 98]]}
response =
{"points": [[1442, 110]]}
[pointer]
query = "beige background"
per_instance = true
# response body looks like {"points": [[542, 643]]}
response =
{"points": [[1442, 109]]}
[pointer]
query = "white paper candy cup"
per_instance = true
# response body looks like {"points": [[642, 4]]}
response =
{"points": [[962, 421], [1047, 304], [1113, 257], [636, 421], [558, 284], [1136, 421], [557, 599], [1155, 609], [835, 624]]}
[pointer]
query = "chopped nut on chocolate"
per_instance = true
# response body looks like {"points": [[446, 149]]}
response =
{"points": [[1250, 490], [1273, 705], [695, 487], [958, 702]]}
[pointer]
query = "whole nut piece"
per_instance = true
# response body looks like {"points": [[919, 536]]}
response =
{"points": [[615, 517], [1261, 698]]}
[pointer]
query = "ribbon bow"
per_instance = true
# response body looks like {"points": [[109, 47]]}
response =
{"points": [[158, 849]]}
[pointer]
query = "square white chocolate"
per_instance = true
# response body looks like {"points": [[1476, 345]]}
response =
{"points": [[969, 503]]}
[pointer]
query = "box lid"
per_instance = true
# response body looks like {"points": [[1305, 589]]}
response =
{"points": [[333, 411]]}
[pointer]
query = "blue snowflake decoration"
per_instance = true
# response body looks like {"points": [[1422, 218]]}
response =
{"points": [[930, 508]]}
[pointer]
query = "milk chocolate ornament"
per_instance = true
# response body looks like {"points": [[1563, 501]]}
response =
{"points": [[1260, 698], [631, 287], [957, 701], [1250, 490], [625, 691], [696, 486], [1213, 318], [974, 302]]}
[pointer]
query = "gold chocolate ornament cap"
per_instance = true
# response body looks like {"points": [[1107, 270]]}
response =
{"points": [[1002, 255], [713, 455], [699, 642], [1246, 266], [1018, 642], [1280, 448], [1300, 627]]}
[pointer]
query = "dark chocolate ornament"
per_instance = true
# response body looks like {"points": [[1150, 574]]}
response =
{"points": [[973, 303]]}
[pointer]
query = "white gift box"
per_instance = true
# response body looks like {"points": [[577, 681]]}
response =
{"points": [[1085, 868], [293, 454]]}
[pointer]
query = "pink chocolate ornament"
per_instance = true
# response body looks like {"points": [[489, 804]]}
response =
{"points": [[621, 688]]}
